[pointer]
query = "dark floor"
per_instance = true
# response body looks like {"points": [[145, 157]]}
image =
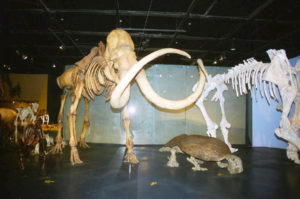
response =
{"points": [[267, 174]]}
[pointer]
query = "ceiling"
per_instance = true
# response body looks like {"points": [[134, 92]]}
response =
{"points": [[33, 31]]}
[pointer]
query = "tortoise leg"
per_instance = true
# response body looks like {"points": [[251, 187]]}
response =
{"points": [[222, 165], [172, 159], [196, 164]]}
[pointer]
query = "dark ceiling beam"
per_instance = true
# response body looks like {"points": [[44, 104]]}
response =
{"points": [[151, 14], [154, 30], [239, 26], [70, 59], [45, 7], [250, 17], [274, 41], [182, 22], [146, 35], [192, 51]]}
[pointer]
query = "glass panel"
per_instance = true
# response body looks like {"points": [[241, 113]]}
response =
{"points": [[151, 125]]}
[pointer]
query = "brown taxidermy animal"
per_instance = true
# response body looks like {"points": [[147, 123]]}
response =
{"points": [[28, 139]]}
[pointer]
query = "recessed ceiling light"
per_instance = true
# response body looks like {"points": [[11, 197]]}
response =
{"points": [[54, 66], [61, 47], [24, 57]]}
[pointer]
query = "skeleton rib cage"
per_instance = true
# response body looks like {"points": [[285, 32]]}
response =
{"points": [[248, 76], [96, 81]]}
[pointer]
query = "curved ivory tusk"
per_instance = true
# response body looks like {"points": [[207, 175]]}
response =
{"points": [[117, 101]]}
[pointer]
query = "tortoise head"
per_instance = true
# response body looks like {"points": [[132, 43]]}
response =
{"points": [[235, 164]]}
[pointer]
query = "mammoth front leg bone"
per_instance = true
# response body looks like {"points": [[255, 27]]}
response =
{"points": [[130, 155], [57, 148], [86, 124], [74, 156]]}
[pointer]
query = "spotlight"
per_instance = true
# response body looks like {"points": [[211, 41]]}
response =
{"points": [[215, 62], [222, 58], [61, 47], [131, 109], [53, 66], [24, 57], [232, 48]]}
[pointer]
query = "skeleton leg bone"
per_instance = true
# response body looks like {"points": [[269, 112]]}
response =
{"points": [[57, 148], [222, 165], [196, 164], [292, 153], [225, 125], [74, 157], [130, 156], [211, 126], [86, 125]]}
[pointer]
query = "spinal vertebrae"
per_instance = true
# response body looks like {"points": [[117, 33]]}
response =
{"points": [[249, 75]]}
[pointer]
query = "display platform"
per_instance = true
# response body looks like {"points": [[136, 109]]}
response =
{"points": [[267, 174]]}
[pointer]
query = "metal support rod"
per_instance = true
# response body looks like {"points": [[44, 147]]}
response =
{"points": [[210, 7]]}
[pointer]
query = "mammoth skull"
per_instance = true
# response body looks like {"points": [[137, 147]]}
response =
{"points": [[122, 67]]}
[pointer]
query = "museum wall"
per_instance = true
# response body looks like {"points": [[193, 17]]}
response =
{"points": [[33, 88], [150, 125], [265, 119]]}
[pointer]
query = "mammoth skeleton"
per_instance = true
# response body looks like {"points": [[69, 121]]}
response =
{"points": [[113, 68]]}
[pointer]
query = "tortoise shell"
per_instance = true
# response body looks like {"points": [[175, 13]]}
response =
{"points": [[201, 147]]}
